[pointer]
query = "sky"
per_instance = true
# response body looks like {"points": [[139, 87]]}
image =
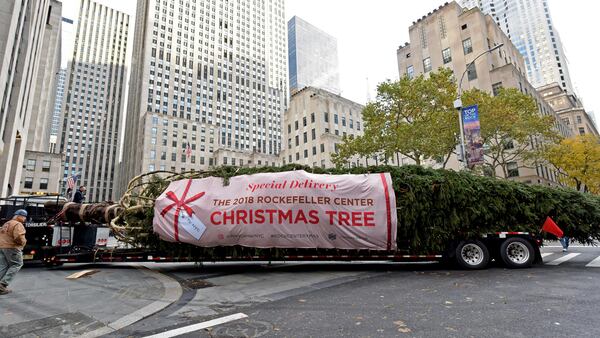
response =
{"points": [[370, 31]]}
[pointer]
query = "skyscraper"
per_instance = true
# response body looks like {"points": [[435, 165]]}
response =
{"points": [[48, 74], [313, 57], [22, 34], [94, 98], [528, 24], [208, 85]]}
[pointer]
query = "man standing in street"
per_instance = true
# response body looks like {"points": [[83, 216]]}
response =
{"points": [[79, 195], [12, 242]]}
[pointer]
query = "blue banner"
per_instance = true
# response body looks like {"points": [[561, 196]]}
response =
{"points": [[473, 139]]}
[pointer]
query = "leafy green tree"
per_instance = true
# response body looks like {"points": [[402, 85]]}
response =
{"points": [[413, 117], [512, 128]]}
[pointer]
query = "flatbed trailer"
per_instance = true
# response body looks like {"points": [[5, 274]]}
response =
{"points": [[514, 249]]}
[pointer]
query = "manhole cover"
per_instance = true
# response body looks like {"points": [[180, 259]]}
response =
{"points": [[197, 284]]}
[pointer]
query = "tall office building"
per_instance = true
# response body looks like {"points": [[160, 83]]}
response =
{"points": [[48, 73], [94, 98], [22, 34], [313, 57], [528, 24], [451, 37], [208, 85]]}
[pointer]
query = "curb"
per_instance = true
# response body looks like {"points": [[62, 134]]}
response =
{"points": [[172, 293]]}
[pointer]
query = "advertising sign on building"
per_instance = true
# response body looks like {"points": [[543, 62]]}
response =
{"points": [[293, 209], [473, 139]]}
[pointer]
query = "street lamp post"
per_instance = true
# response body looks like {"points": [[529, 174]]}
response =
{"points": [[458, 104]]}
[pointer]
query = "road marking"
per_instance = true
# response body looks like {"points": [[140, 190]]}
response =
{"points": [[595, 263], [546, 254], [173, 292], [199, 326], [563, 259]]}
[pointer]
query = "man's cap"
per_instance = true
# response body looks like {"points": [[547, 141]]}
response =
{"points": [[21, 212]]}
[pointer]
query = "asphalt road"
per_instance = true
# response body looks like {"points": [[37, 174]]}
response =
{"points": [[557, 299]]}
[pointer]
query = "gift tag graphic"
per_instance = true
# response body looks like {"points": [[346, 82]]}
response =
{"points": [[191, 224]]}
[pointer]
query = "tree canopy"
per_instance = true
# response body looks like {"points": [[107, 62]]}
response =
{"points": [[413, 117], [579, 159], [512, 128], [416, 118]]}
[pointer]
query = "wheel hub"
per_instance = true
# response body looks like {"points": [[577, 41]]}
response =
{"points": [[517, 253], [472, 254]]}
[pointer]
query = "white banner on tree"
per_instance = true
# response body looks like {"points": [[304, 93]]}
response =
{"points": [[293, 209]]}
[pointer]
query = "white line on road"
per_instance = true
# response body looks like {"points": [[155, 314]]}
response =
{"points": [[199, 326], [571, 246], [595, 263], [546, 254], [563, 259]]}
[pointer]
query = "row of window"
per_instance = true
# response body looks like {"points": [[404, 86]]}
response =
{"points": [[28, 183], [31, 163]]}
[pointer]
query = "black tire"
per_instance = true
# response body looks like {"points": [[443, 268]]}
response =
{"points": [[472, 255], [517, 253]]}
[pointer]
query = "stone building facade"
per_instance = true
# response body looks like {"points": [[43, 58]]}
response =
{"points": [[314, 125]]}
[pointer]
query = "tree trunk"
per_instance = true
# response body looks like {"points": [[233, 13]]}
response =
{"points": [[100, 213]]}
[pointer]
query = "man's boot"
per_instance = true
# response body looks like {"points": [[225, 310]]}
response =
{"points": [[3, 289]]}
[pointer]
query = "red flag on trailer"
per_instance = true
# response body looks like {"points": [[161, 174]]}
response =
{"points": [[551, 227]]}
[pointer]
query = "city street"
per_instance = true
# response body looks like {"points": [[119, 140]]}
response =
{"points": [[556, 299]]}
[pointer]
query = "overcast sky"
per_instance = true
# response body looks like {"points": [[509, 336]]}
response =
{"points": [[370, 31]]}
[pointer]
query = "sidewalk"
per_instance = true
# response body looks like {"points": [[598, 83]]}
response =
{"points": [[44, 303]]}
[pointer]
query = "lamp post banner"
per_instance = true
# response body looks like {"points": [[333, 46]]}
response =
{"points": [[473, 139], [293, 209]]}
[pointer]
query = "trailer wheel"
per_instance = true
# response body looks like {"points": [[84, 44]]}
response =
{"points": [[517, 253], [472, 255]]}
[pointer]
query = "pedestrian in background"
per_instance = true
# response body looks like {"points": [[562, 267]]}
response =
{"points": [[12, 242], [564, 241], [79, 195]]}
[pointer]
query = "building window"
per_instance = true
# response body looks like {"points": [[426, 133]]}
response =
{"points": [[578, 119], [512, 169], [31, 165], [467, 46], [46, 166], [312, 118], [446, 55], [335, 118], [43, 184], [322, 147], [427, 65], [410, 72], [496, 88], [581, 131], [28, 182], [313, 133], [326, 115], [471, 72], [566, 121]]}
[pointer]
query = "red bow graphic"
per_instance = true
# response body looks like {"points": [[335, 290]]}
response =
{"points": [[180, 203]]}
